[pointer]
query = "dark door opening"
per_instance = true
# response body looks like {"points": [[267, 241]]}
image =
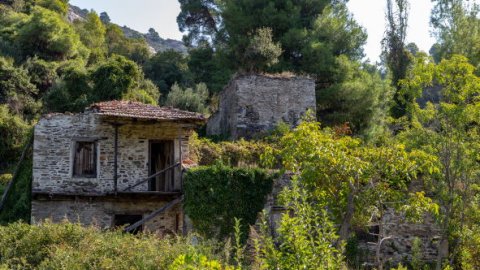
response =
{"points": [[123, 221], [161, 157]]}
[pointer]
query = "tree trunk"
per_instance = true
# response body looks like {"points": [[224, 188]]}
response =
{"points": [[347, 218]]}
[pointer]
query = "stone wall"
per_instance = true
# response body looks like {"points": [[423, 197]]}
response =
{"points": [[100, 211], [55, 137], [90, 201], [253, 104], [397, 249]]}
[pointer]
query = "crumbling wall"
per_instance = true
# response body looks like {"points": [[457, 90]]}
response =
{"points": [[253, 104], [400, 233]]}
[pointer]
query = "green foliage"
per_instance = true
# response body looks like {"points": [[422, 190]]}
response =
{"points": [[457, 29], [16, 90], [352, 179], [92, 34], [114, 77], [134, 49], [70, 246], [305, 239], [72, 91], [42, 73], [211, 191], [240, 153], [13, 130], [262, 52], [167, 68], [194, 100], [18, 202], [449, 131], [59, 6], [47, 35], [361, 99], [209, 67], [396, 55]]}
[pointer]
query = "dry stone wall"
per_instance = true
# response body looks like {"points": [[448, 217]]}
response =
{"points": [[253, 104]]}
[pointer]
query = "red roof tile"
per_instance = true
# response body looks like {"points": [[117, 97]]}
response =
{"points": [[131, 109]]}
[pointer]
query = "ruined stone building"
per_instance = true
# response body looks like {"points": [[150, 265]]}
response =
{"points": [[117, 163], [251, 105]]}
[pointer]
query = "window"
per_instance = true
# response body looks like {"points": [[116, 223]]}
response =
{"points": [[85, 161]]}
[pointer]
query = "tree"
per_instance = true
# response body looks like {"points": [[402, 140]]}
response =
{"points": [[47, 35], [346, 177], [167, 68], [457, 29], [135, 49], [72, 91], [361, 99], [209, 67], [13, 129], [58, 6], [189, 99], [16, 90], [449, 131], [42, 74], [396, 55], [314, 38], [262, 52], [114, 77], [305, 240], [104, 18], [92, 34]]}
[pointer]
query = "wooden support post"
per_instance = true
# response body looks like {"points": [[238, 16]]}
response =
{"points": [[115, 160]]}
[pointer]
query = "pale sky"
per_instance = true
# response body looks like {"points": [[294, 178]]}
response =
{"points": [[162, 15]]}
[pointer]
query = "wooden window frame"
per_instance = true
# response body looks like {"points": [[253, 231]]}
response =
{"points": [[95, 163]]}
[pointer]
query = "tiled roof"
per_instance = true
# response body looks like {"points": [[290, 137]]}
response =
{"points": [[131, 109]]}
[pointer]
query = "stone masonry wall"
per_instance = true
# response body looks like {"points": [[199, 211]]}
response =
{"points": [[396, 250], [100, 212], [253, 104], [55, 138]]}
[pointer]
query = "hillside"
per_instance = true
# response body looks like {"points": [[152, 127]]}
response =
{"points": [[156, 43]]}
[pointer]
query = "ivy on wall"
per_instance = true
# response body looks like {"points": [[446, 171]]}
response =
{"points": [[216, 195]]}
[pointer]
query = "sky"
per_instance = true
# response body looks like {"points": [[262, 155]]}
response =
{"points": [[162, 15]]}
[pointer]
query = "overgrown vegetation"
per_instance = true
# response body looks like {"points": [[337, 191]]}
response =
{"points": [[71, 246], [217, 195], [379, 148]]}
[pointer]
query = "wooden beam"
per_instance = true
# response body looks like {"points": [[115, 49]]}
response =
{"points": [[153, 214]]}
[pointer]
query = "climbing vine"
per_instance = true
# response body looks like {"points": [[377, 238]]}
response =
{"points": [[216, 195]]}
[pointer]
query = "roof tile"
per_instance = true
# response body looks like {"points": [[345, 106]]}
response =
{"points": [[131, 109]]}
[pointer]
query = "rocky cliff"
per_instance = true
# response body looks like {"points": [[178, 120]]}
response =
{"points": [[156, 43]]}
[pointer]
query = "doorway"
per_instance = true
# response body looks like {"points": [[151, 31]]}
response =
{"points": [[161, 157], [122, 221]]}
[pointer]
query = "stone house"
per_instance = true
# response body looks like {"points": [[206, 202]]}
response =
{"points": [[118, 163], [251, 105]]}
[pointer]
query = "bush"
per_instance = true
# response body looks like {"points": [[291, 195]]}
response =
{"points": [[239, 153], [216, 195], [71, 246]]}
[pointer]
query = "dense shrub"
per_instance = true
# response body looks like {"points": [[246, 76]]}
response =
{"points": [[18, 202], [216, 195], [239, 153], [70, 246]]}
